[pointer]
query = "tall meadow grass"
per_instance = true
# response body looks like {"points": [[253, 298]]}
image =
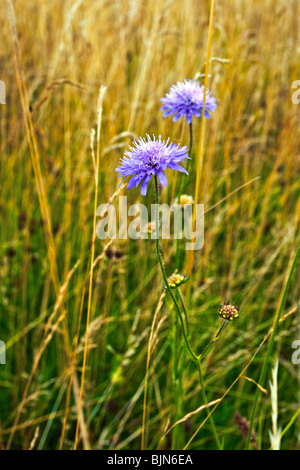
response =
{"points": [[89, 331]]}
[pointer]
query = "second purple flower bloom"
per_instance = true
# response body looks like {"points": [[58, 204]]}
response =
{"points": [[186, 99]]}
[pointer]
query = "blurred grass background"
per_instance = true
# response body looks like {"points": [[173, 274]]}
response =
{"points": [[138, 49]]}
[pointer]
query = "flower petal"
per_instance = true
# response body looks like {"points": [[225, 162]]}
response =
{"points": [[175, 166], [133, 182], [162, 178], [144, 185], [188, 118]]}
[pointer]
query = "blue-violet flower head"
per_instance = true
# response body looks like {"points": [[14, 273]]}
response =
{"points": [[186, 99], [149, 157]]}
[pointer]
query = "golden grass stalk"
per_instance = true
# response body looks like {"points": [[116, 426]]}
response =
{"points": [[97, 161], [151, 344], [202, 129], [43, 346], [188, 416]]}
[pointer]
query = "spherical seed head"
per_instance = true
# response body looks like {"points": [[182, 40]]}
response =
{"points": [[186, 99], [150, 157], [185, 199], [177, 279], [228, 311]]}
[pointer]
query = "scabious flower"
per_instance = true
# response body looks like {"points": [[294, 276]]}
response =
{"points": [[177, 279], [228, 311], [150, 157], [186, 99]]}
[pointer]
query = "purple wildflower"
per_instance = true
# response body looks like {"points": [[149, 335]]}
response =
{"points": [[186, 99], [151, 157]]}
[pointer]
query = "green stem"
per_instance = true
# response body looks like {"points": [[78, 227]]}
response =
{"points": [[184, 311], [215, 338], [263, 373], [192, 355], [177, 308], [182, 185], [177, 370], [175, 434], [178, 315], [204, 399], [181, 188]]}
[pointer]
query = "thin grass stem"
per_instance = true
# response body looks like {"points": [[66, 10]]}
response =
{"points": [[263, 373]]}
